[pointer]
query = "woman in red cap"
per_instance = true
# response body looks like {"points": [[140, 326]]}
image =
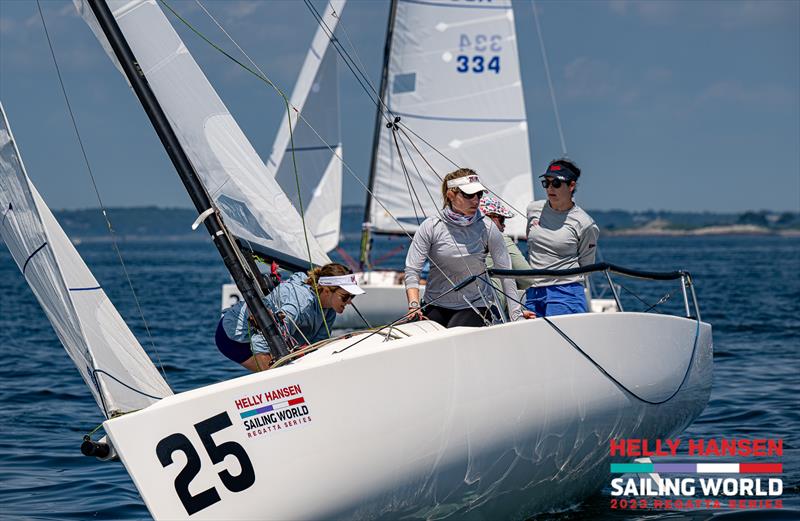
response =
{"points": [[560, 236]]}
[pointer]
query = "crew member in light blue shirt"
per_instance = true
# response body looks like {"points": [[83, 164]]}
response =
{"points": [[305, 318]]}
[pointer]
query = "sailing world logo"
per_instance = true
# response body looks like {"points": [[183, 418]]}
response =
{"points": [[274, 410], [700, 484]]}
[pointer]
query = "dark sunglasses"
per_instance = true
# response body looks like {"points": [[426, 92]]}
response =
{"points": [[346, 297], [555, 182], [499, 218], [471, 196]]}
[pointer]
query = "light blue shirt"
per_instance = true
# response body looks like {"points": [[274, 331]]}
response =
{"points": [[293, 298]]}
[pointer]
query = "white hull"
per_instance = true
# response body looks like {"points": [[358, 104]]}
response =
{"points": [[506, 421]]}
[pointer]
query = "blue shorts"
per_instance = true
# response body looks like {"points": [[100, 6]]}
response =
{"points": [[562, 299], [236, 351]]}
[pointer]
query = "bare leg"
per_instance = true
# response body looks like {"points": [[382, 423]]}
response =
{"points": [[258, 362]]}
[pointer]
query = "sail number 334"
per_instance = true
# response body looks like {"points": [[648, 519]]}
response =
{"points": [[477, 53]]}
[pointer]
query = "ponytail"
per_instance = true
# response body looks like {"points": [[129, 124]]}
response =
{"points": [[331, 269]]}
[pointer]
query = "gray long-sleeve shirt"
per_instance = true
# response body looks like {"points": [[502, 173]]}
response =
{"points": [[560, 241], [457, 252]]}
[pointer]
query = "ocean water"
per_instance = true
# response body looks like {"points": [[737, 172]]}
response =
{"points": [[748, 288]]}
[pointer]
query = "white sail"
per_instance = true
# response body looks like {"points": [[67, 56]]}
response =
{"points": [[454, 79], [119, 373], [253, 206], [317, 150]]}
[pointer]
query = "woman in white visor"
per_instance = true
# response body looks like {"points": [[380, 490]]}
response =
{"points": [[306, 318], [457, 242]]}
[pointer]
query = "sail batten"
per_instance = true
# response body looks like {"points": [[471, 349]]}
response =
{"points": [[111, 361], [453, 74]]}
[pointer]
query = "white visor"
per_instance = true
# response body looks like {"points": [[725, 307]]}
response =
{"points": [[346, 282], [469, 184]]}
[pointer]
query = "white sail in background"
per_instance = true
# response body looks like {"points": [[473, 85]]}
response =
{"points": [[115, 367], [454, 79], [253, 206], [317, 151]]}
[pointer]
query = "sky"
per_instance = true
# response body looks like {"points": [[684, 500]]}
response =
{"points": [[665, 105]]}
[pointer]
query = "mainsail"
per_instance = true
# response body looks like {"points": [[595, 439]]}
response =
{"points": [[454, 79], [253, 206], [317, 150], [115, 367]]}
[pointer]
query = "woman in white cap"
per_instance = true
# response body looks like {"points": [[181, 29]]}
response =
{"points": [[306, 303], [560, 236], [457, 242]]}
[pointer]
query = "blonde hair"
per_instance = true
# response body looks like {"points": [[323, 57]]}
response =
{"points": [[461, 172], [331, 269]]}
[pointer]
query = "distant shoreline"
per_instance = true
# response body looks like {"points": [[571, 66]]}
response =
{"points": [[141, 224], [734, 229]]}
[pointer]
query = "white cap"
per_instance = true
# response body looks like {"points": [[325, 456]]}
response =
{"points": [[469, 184], [346, 282]]}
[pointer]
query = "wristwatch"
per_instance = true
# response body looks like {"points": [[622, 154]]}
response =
{"points": [[413, 304]]}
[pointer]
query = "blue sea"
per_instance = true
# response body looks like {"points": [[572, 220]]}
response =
{"points": [[748, 288]]}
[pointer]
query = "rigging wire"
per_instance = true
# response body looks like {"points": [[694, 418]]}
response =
{"points": [[289, 108], [381, 105], [99, 198], [280, 92], [549, 79], [359, 74], [434, 203], [602, 369], [411, 191]]}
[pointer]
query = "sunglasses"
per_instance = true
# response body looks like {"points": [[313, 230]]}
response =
{"points": [[346, 297], [555, 182], [471, 196], [499, 218]]}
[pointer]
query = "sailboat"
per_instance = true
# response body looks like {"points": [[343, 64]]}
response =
{"points": [[410, 421]]}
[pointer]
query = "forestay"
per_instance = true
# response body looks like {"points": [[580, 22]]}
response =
{"points": [[253, 206], [119, 373], [315, 136], [453, 77]]}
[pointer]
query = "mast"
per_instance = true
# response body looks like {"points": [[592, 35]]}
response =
{"points": [[387, 51], [223, 240]]}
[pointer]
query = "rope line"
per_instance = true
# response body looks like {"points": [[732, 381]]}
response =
{"points": [[101, 371], [350, 63], [620, 384], [549, 79], [99, 198], [264, 78]]}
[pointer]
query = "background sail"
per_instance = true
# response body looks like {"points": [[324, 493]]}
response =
{"points": [[454, 79], [316, 97], [253, 206], [106, 353]]}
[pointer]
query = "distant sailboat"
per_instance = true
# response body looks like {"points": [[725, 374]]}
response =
{"points": [[411, 421]]}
